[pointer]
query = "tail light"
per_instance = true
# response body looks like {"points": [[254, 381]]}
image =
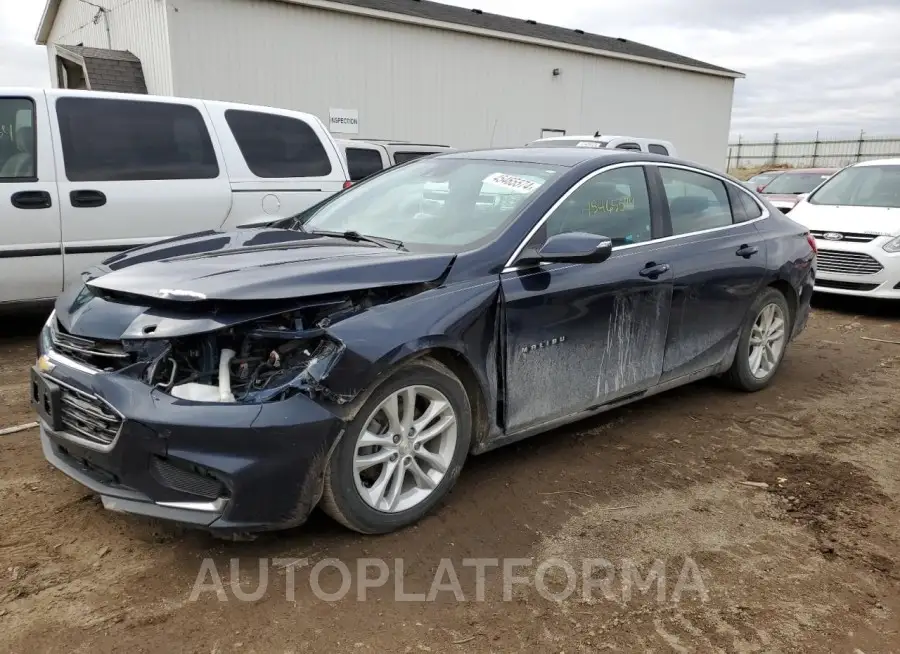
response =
{"points": [[348, 184], [812, 242]]}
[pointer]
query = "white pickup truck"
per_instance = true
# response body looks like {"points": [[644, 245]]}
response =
{"points": [[84, 174]]}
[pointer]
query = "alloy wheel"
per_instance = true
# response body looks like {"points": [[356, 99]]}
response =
{"points": [[767, 340], [405, 449]]}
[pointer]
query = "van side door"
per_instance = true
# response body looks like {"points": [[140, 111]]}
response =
{"points": [[134, 170], [280, 162], [30, 255]]}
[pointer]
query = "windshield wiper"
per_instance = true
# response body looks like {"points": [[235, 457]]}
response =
{"points": [[355, 236]]}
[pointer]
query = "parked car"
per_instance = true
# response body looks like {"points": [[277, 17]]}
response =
{"points": [[367, 157], [786, 190], [759, 182], [357, 356], [855, 216], [89, 173], [635, 143]]}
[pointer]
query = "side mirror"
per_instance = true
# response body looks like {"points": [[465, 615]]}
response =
{"points": [[571, 247]]}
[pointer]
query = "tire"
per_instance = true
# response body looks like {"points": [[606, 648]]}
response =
{"points": [[345, 492], [741, 375]]}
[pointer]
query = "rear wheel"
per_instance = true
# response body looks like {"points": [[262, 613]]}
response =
{"points": [[762, 343], [403, 451]]}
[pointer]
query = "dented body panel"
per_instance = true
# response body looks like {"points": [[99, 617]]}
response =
{"points": [[311, 324]]}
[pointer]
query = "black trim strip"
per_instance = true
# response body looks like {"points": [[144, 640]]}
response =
{"points": [[34, 252], [101, 249], [278, 190]]}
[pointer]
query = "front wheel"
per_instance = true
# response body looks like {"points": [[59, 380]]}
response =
{"points": [[403, 451], [762, 343]]}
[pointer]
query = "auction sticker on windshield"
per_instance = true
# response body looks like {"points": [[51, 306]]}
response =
{"points": [[513, 183]]}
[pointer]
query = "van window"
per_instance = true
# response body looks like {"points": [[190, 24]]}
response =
{"points": [[403, 157], [278, 146], [127, 140], [17, 140], [629, 146], [656, 148], [363, 162]]}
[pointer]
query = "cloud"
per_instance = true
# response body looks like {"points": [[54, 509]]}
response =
{"points": [[23, 65]]}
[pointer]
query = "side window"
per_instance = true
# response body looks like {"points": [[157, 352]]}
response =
{"points": [[363, 162], [629, 146], [614, 204], [696, 201], [656, 148], [18, 140], [403, 157], [278, 146], [124, 140], [743, 207]]}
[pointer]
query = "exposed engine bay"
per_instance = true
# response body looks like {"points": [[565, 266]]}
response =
{"points": [[266, 360], [260, 360]]}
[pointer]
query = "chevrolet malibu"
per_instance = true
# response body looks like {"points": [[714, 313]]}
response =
{"points": [[355, 356]]}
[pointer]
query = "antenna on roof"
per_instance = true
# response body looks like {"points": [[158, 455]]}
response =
{"points": [[596, 134]]}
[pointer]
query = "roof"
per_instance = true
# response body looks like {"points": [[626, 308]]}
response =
{"points": [[551, 156], [108, 70], [895, 161], [489, 24]]}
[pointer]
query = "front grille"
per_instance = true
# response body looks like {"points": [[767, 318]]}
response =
{"points": [[847, 263], [104, 355], [847, 286], [87, 416], [850, 237], [187, 481]]}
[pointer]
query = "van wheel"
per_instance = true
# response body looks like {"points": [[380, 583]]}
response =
{"points": [[762, 343], [402, 453]]}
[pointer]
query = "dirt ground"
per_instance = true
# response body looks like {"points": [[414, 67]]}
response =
{"points": [[802, 559]]}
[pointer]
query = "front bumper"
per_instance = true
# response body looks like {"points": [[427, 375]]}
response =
{"points": [[859, 269], [224, 467]]}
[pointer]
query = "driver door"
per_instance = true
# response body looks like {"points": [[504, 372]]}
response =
{"points": [[578, 336]]}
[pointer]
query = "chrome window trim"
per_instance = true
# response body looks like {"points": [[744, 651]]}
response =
{"points": [[509, 267]]}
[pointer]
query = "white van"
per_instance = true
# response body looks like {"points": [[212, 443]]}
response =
{"points": [[367, 157], [598, 140], [84, 174]]}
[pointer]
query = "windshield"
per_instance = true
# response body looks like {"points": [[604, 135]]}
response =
{"points": [[762, 178], [444, 203], [795, 183], [862, 186]]}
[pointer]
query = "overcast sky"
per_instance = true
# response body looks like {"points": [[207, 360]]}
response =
{"points": [[826, 65]]}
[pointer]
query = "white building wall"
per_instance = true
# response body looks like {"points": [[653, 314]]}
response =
{"points": [[424, 84], [138, 26]]}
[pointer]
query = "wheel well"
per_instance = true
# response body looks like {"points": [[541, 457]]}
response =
{"points": [[790, 295], [481, 421]]}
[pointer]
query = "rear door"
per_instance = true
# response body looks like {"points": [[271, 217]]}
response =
{"points": [[719, 260], [133, 170], [582, 335], [30, 255], [279, 162]]}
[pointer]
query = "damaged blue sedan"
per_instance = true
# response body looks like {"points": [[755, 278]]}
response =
{"points": [[354, 356]]}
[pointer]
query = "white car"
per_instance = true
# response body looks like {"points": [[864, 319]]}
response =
{"points": [[855, 217], [87, 174], [598, 140], [367, 157]]}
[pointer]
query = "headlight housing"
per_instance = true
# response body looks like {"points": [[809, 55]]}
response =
{"points": [[893, 245]]}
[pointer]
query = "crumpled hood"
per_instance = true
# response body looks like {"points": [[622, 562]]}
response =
{"points": [[261, 264], [859, 220]]}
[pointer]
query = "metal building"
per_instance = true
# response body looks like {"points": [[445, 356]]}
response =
{"points": [[398, 69]]}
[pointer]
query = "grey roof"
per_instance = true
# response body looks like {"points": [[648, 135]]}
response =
{"points": [[484, 20], [109, 70]]}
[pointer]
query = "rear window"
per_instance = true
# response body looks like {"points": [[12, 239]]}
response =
{"points": [[17, 140], [403, 157], [363, 162], [107, 140], [278, 146]]}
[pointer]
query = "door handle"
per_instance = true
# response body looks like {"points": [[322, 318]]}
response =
{"points": [[654, 270], [87, 199], [747, 251], [31, 200]]}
